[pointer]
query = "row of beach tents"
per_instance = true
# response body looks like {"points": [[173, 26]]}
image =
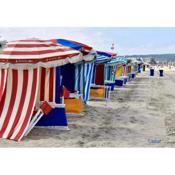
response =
{"points": [[42, 82]]}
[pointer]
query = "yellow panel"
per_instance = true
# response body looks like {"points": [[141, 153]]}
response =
{"points": [[119, 71], [74, 106], [98, 92]]}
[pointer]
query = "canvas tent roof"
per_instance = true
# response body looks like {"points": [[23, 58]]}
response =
{"points": [[104, 57], [39, 52], [118, 60], [75, 45], [87, 51]]}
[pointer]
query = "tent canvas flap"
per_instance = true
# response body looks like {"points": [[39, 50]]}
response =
{"points": [[18, 102]]}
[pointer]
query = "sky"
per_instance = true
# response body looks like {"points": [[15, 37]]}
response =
{"points": [[127, 41]]}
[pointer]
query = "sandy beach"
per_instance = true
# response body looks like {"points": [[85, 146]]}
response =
{"points": [[141, 114]]}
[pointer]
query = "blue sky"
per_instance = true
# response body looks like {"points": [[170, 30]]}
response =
{"points": [[126, 40]]}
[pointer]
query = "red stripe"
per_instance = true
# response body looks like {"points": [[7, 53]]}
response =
{"points": [[35, 52], [51, 81], [31, 60], [32, 40], [3, 100], [21, 103], [12, 101], [11, 45], [30, 106], [37, 44], [42, 84], [2, 82]]}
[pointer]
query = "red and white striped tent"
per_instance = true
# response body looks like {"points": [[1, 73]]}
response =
{"points": [[25, 67]]}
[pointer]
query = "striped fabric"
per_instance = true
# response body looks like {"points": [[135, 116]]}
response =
{"points": [[124, 71], [88, 72], [47, 84], [26, 65], [88, 53], [107, 92], [3, 80], [38, 51], [104, 57], [110, 73], [75, 45], [17, 103], [118, 60], [79, 70]]}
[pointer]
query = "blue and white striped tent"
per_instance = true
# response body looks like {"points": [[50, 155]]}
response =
{"points": [[103, 58], [118, 60], [83, 76], [98, 79], [83, 69], [88, 72]]}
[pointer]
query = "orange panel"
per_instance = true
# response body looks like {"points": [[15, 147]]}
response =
{"points": [[97, 92], [74, 105]]}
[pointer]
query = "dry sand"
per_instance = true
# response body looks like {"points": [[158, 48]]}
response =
{"points": [[142, 114]]}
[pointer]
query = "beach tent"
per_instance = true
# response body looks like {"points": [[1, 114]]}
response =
{"points": [[30, 85], [137, 63], [100, 88], [99, 73], [129, 70], [119, 70], [117, 62], [78, 75]]}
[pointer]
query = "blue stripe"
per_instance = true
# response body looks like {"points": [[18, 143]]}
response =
{"points": [[88, 72], [118, 60], [69, 44], [57, 85], [102, 59], [79, 77]]}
